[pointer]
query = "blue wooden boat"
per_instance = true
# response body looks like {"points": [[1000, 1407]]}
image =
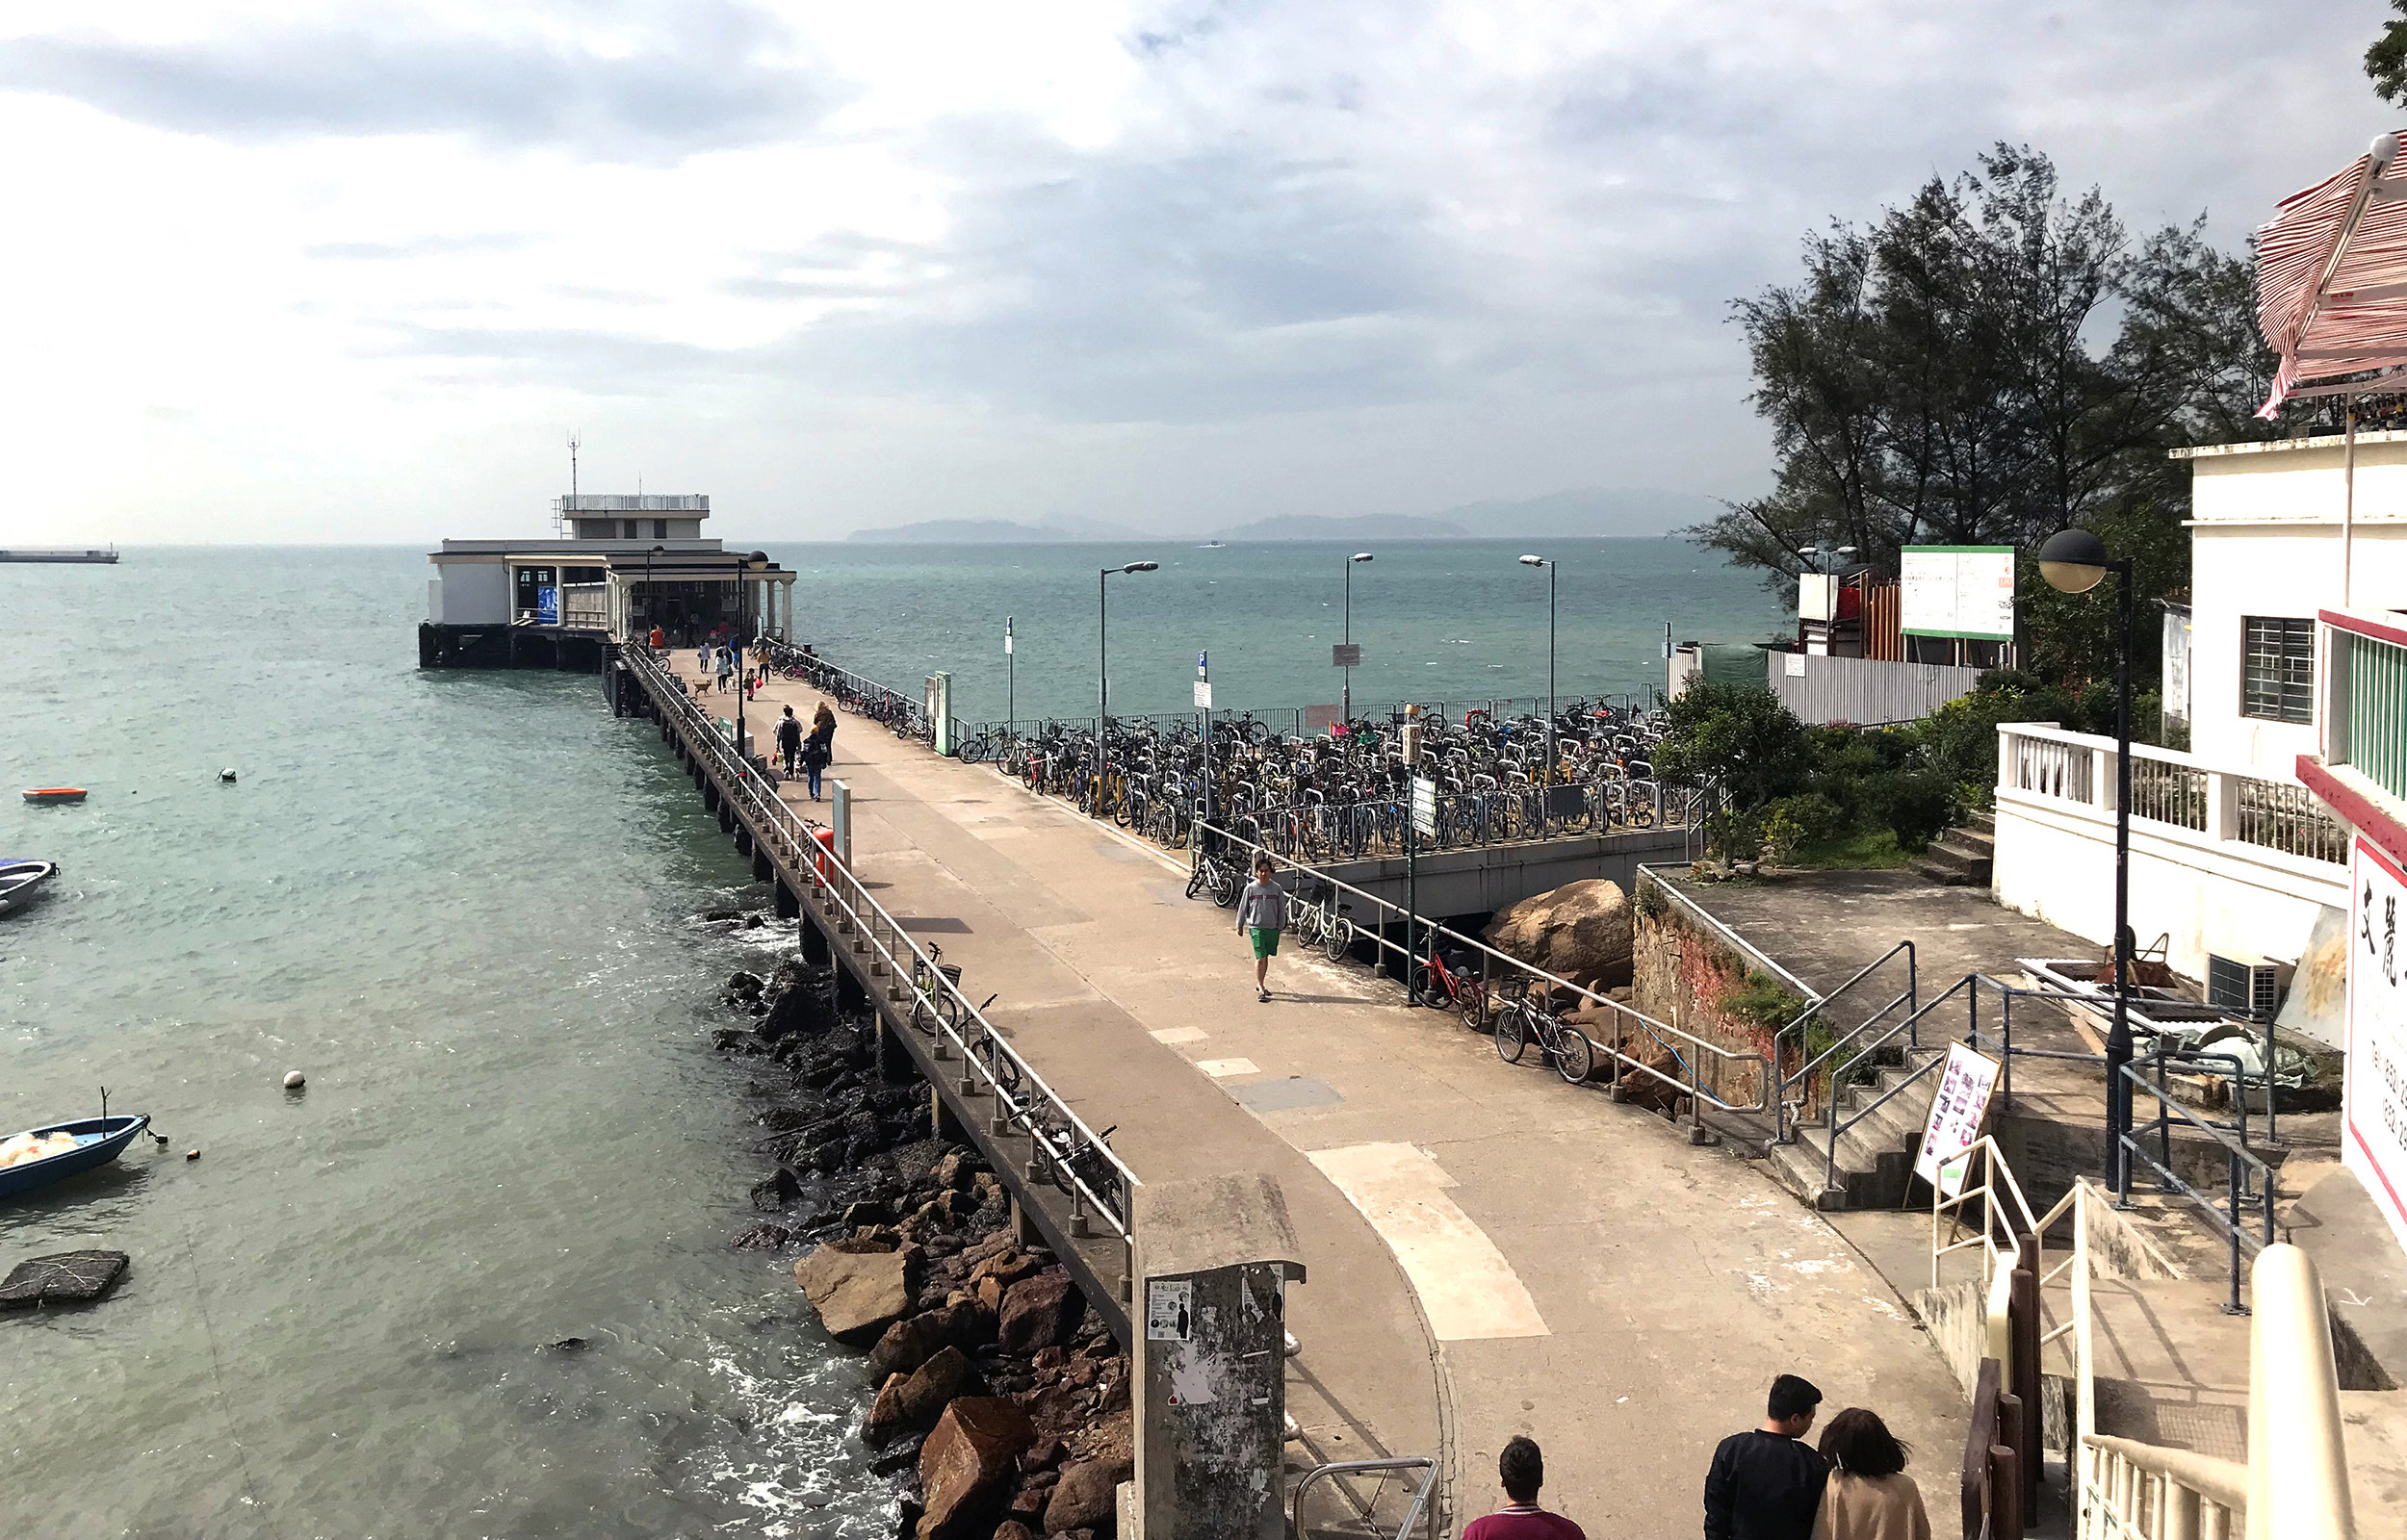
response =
{"points": [[97, 1142]]}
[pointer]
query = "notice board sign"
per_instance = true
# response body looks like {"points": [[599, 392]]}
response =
{"points": [[1965, 591], [1956, 1112], [2375, 1115]]}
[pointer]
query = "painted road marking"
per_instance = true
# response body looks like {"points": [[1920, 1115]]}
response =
{"points": [[1223, 1069], [1467, 1288], [1178, 1034]]}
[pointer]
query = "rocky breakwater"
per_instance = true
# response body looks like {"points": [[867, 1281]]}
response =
{"points": [[997, 1398]]}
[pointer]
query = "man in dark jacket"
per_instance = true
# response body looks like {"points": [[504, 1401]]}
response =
{"points": [[1766, 1484], [789, 740]]}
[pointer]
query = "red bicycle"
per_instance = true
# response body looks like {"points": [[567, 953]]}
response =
{"points": [[1446, 982]]}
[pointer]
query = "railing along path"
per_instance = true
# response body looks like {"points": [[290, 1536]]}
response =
{"points": [[1063, 1147]]}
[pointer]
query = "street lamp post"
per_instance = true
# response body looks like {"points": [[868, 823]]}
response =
{"points": [[1103, 681], [1548, 564], [2075, 561], [1346, 709]]}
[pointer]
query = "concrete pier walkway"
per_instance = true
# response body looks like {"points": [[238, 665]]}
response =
{"points": [[1490, 1251]]}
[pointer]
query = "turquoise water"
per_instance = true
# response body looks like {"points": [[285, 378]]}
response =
{"points": [[1438, 620], [462, 902]]}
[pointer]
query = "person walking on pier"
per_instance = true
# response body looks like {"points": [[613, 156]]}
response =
{"points": [[1869, 1496], [727, 665], [789, 740], [819, 749], [1261, 914], [1766, 1483], [1523, 1471]]}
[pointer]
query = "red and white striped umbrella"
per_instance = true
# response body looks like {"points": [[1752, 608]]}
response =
{"points": [[2332, 275]]}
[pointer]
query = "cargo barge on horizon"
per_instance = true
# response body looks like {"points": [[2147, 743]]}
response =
{"points": [[104, 559]]}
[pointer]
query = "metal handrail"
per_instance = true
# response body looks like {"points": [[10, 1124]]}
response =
{"points": [[1814, 1009], [1660, 1031], [1655, 869], [914, 969], [784, 653], [2237, 1158], [1422, 1511]]}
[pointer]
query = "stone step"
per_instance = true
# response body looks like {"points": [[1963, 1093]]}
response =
{"points": [[1984, 819], [1955, 868], [1972, 841]]}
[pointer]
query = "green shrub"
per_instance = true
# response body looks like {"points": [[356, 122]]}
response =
{"points": [[1808, 818], [1919, 805], [1759, 1001]]}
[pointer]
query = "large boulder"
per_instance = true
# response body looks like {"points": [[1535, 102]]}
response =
{"points": [[970, 1456], [1580, 930], [1087, 1495], [909, 1344], [858, 1293], [1040, 1312], [914, 1401]]}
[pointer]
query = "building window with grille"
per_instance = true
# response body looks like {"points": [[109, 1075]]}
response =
{"points": [[660, 529], [2278, 669]]}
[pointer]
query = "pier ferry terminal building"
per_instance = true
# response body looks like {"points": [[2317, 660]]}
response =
{"points": [[616, 565]]}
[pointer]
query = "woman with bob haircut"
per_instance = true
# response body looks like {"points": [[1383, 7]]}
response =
{"points": [[1869, 1496]]}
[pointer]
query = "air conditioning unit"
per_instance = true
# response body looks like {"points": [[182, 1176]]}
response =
{"points": [[2249, 988]]}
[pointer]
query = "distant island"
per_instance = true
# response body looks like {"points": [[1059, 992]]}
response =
{"points": [[1590, 513]]}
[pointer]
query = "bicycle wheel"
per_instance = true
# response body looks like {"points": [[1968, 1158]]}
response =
{"points": [[1573, 1058], [1425, 988], [1513, 1035], [1196, 878], [1339, 939], [1224, 885]]}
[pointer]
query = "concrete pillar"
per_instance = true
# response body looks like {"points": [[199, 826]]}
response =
{"points": [[941, 1120], [814, 947], [746, 847], [783, 902], [763, 871]]}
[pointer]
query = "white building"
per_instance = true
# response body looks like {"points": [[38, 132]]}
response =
{"points": [[623, 564], [2232, 855]]}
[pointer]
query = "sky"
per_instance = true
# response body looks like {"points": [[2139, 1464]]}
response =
{"points": [[292, 272]]}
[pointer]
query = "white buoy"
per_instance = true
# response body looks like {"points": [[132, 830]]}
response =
{"points": [[294, 1080]]}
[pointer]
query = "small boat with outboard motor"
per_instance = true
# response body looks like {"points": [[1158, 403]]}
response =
{"points": [[45, 794], [21, 879], [41, 1156]]}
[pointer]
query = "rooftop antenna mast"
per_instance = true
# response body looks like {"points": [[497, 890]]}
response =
{"points": [[560, 521]]}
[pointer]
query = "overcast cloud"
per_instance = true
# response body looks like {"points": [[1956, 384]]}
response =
{"points": [[287, 272]]}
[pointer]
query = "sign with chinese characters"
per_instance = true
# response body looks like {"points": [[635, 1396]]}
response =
{"points": [[547, 606], [1957, 591], [1169, 1309], [1425, 806], [1956, 1112], [1345, 654], [2374, 1144], [1203, 695]]}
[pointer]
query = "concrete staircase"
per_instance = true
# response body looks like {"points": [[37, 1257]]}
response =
{"points": [[1962, 857], [1876, 1162]]}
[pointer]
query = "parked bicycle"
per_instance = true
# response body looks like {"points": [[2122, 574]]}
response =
{"points": [[1535, 1018]]}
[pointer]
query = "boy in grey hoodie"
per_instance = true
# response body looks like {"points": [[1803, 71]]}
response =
{"points": [[1262, 913]]}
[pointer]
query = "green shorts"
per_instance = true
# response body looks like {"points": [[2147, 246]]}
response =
{"points": [[1265, 942]]}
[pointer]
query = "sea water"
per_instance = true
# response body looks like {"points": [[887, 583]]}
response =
{"points": [[462, 903]]}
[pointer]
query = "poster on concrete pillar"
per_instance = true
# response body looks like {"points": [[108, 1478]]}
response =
{"points": [[1956, 1112], [1169, 1309], [2374, 1116]]}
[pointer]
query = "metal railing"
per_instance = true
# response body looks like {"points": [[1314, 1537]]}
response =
{"points": [[1802, 1028], [1421, 1512], [1687, 1052], [1063, 1147], [2278, 815], [855, 692], [2169, 793], [2248, 1180]]}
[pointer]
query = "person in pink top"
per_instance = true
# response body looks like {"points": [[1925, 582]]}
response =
{"points": [[1523, 1471]]}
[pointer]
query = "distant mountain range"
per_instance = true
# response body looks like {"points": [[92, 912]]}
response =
{"points": [[1587, 513]]}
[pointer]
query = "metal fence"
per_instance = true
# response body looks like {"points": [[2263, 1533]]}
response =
{"points": [[902, 710], [1866, 691], [1337, 915]]}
